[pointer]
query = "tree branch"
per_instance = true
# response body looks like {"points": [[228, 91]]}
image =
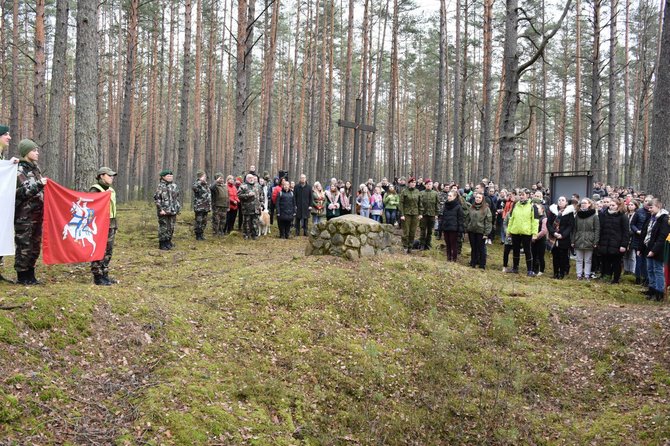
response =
{"points": [[545, 41]]}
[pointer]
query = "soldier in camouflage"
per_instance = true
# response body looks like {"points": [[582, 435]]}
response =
{"points": [[4, 143], [167, 208], [100, 268], [29, 212], [409, 213], [428, 209], [249, 195], [202, 204], [220, 204]]}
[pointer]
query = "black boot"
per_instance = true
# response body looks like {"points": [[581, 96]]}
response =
{"points": [[659, 296], [99, 279], [22, 278], [32, 278], [111, 280], [169, 244], [163, 245]]}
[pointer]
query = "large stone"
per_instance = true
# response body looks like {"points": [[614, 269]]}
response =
{"points": [[325, 235], [351, 254], [363, 239], [337, 240], [352, 241], [367, 251]]}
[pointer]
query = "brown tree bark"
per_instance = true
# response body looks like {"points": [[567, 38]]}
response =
{"points": [[86, 75], [39, 90], [183, 177]]}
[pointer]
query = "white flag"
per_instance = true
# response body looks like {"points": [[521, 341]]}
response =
{"points": [[7, 198]]}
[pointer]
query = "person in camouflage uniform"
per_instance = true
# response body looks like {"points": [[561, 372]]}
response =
{"points": [[429, 208], [202, 204], [100, 268], [29, 213], [220, 204], [167, 208], [4, 143], [409, 213], [249, 195]]}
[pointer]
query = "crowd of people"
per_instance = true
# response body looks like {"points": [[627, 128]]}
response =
{"points": [[615, 230]]}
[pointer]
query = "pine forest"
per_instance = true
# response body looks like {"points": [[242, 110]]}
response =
{"points": [[455, 90]]}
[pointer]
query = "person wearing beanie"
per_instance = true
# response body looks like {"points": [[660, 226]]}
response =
{"points": [[29, 213], [100, 268], [168, 206], [220, 204], [4, 143], [202, 204]]}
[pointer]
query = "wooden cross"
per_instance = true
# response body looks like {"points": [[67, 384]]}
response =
{"points": [[359, 126]]}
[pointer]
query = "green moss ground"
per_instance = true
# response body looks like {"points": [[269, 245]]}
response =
{"points": [[235, 342]]}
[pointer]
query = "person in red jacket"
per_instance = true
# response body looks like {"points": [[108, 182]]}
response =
{"points": [[234, 203]]}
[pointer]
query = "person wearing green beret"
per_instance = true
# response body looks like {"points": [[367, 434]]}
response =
{"points": [[168, 206], [100, 269], [29, 213]]}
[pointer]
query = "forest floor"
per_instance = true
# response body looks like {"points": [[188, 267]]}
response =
{"points": [[233, 342]]}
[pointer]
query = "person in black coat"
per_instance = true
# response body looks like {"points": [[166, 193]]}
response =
{"points": [[637, 224], [286, 210], [614, 237], [654, 234], [560, 224], [451, 224], [303, 204]]}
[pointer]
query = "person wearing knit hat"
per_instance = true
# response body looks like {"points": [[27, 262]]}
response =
{"points": [[168, 206], [202, 203], [28, 214], [100, 269]]}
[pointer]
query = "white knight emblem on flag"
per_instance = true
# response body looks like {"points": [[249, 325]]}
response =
{"points": [[82, 226]]}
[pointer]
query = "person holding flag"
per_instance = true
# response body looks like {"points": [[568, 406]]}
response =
{"points": [[4, 143], [100, 268], [29, 213]]}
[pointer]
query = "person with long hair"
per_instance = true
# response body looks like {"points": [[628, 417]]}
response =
{"points": [[585, 237], [561, 223], [333, 202], [318, 203], [655, 233], [614, 237], [539, 243], [523, 227], [452, 224], [478, 224], [391, 200], [629, 255]]}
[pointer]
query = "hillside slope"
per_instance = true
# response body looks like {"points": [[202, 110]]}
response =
{"points": [[232, 342]]}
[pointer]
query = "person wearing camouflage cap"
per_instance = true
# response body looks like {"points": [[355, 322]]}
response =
{"points": [[168, 206], [202, 204], [29, 213], [100, 269], [249, 195]]}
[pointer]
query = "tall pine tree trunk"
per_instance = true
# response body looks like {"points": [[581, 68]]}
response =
{"points": [[86, 76], [438, 171], [612, 144], [596, 95], [52, 150], [659, 157], [183, 173], [245, 16], [128, 96], [39, 91]]}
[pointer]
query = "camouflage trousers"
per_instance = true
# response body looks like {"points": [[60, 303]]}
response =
{"points": [[219, 215], [28, 240], [200, 222], [251, 227], [101, 267], [166, 224], [409, 230]]}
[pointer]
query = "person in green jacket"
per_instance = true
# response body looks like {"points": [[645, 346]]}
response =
{"points": [[429, 208], [478, 225], [391, 200], [523, 227], [409, 213]]}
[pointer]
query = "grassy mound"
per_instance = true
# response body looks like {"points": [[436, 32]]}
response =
{"points": [[236, 342]]}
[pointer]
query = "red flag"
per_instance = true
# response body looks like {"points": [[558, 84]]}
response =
{"points": [[75, 225]]}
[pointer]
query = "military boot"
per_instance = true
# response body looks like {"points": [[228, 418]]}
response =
{"points": [[99, 279], [22, 278], [33, 279], [111, 280], [163, 245]]}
